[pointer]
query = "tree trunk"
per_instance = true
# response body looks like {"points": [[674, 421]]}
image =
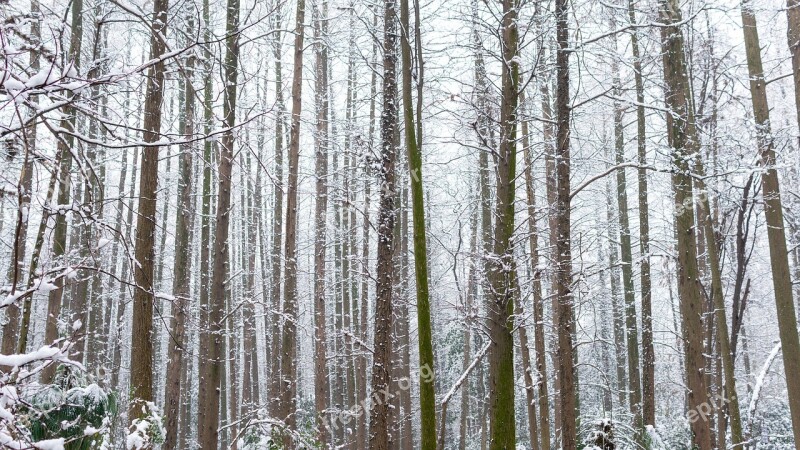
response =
{"points": [[142, 370], [566, 374], [427, 395], [181, 269], [205, 387], [631, 327], [63, 147], [648, 352], [13, 339], [773, 209], [469, 307], [528, 371], [501, 301], [211, 375], [321, 386], [382, 357], [538, 305], [288, 355], [683, 140], [277, 227]]}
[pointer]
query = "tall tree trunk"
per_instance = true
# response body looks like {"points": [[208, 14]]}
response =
{"points": [[527, 368], [363, 361], [566, 374], [469, 307], [116, 364], [181, 269], [427, 394], [277, 226], [617, 311], [211, 375], [14, 335], [13, 339], [205, 387], [64, 147], [631, 326], [289, 336], [648, 352], [773, 209], [501, 301], [382, 357], [142, 370], [682, 136], [538, 304], [321, 386]]}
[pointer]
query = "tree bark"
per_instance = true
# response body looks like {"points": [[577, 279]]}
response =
{"points": [[321, 383], [773, 208], [382, 357], [648, 352], [682, 136], [567, 375], [142, 370], [631, 327], [501, 301], [288, 354], [64, 147], [427, 394], [181, 269], [211, 375], [274, 317]]}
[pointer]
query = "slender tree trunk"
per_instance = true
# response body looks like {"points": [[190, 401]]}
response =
{"points": [[427, 395], [277, 226], [501, 301], [211, 376], [64, 147], [116, 365], [568, 395], [631, 326], [12, 337], [205, 387], [289, 336], [182, 276], [142, 370], [538, 304], [773, 209], [683, 140], [648, 352], [321, 386], [469, 306], [382, 357], [527, 368], [363, 361]]}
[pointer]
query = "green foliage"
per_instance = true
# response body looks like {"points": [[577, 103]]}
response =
{"points": [[71, 408], [148, 430]]}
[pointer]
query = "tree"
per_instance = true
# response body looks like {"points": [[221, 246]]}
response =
{"points": [[648, 352], [773, 209], [387, 212], [413, 140], [181, 287], [631, 327], [289, 336], [208, 423], [563, 254], [501, 301], [321, 386], [144, 296], [683, 142]]}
